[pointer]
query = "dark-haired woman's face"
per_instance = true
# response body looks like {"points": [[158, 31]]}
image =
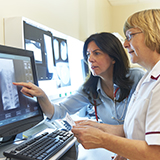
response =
{"points": [[100, 63]]}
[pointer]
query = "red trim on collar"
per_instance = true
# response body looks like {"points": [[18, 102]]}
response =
{"points": [[152, 133], [155, 78]]}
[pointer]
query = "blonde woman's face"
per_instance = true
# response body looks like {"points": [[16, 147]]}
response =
{"points": [[136, 47]]}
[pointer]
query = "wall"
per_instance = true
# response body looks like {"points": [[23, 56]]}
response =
{"points": [[76, 18], [121, 13], [95, 16]]}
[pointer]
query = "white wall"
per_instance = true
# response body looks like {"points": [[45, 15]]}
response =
{"points": [[95, 16], [52, 13], [76, 18], [121, 13]]}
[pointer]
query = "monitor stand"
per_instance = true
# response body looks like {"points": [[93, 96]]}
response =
{"points": [[7, 140], [5, 146]]}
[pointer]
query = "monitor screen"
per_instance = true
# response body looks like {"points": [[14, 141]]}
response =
{"points": [[17, 111]]}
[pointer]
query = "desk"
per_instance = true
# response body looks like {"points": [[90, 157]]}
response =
{"points": [[94, 154]]}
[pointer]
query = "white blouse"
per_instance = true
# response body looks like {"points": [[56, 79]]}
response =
{"points": [[142, 120]]}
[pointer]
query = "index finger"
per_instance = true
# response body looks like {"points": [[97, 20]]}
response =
{"points": [[77, 129], [79, 121], [23, 84], [83, 122]]}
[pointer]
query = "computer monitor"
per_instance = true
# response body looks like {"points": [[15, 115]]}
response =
{"points": [[18, 112]]}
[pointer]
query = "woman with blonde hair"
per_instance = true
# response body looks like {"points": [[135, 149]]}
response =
{"points": [[139, 137]]}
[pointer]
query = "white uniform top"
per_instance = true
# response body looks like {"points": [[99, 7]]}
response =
{"points": [[143, 115]]}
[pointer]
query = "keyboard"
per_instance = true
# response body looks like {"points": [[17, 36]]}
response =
{"points": [[41, 147]]}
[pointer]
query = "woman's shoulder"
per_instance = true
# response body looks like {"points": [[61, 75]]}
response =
{"points": [[80, 90], [135, 71], [136, 74]]}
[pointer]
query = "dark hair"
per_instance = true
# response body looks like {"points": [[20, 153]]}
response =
{"points": [[112, 46]]}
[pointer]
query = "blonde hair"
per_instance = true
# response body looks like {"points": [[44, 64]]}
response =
{"points": [[148, 21]]}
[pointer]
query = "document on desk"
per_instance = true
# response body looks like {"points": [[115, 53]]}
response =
{"points": [[70, 120]]}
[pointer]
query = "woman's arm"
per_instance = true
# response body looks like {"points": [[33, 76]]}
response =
{"points": [[31, 90], [112, 129], [91, 137]]}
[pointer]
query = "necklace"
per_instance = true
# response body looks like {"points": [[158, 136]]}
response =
{"points": [[125, 105], [95, 108], [116, 118]]}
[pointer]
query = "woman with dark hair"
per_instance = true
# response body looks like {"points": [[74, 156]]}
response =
{"points": [[107, 43], [109, 85]]}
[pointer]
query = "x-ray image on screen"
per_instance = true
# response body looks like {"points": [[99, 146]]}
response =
{"points": [[63, 73], [56, 49], [9, 91], [64, 53], [43, 56], [36, 48], [61, 60], [49, 53]]}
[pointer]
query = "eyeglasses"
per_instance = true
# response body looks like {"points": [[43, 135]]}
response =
{"points": [[129, 36]]}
